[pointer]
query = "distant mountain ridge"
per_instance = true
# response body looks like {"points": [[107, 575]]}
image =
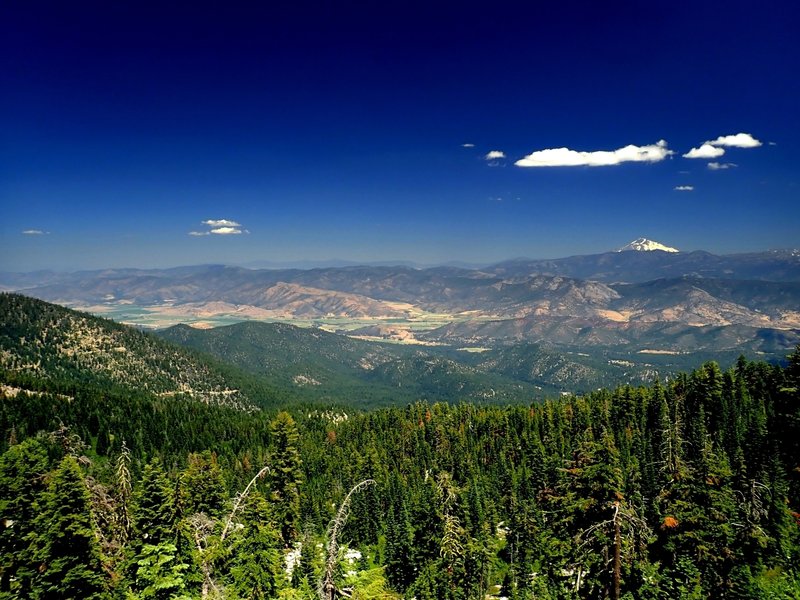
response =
{"points": [[637, 267], [249, 365], [647, 298]]}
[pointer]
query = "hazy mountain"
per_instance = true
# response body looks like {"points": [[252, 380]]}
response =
{"points": [[634, 267], [591, 335], [629, 297]]}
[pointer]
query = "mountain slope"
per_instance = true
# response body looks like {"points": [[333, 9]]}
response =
{"points": [[323, 365], [45, 342]]}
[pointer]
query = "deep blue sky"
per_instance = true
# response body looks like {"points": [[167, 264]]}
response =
{"points": [[336, 130]]}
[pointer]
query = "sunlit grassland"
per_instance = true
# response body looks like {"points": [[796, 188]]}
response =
{"points": [[163, 316]]}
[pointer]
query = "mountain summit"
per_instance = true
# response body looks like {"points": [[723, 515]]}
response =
{"points": [[645, 245]]}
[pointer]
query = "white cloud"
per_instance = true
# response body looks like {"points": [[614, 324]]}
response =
{"points": [[34, 232], [684, 188], [495, 154], [740, 140], [773, 143], [467, 145], [564, 157], [715, 166], [221, 223], [226, 231], [705, 151], [220, 227]]}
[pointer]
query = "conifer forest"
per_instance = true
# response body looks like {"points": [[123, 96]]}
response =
{"points": [[683, 489]]}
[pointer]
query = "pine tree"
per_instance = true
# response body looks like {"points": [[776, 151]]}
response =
{"points": [[307, 566], [203, 487], [399, 540], [154, 515], [22, 470], [286, 475], [68, 557], [159, 574]]}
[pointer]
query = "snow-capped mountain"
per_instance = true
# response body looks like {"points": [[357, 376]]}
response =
{"points": [[645, 245]]}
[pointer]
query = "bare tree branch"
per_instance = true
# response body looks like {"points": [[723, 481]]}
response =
{"points": [[327, 588], [238, 501]]}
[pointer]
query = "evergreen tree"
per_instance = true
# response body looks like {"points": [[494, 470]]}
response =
{"points": [[286, 475], [203, 486], [399, 540], [22, 475], [255, 560], [159, 574], [154, 517], [307, 566], [67, 554]]}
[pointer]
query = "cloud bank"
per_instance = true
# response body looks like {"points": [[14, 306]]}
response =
{"points": [[564, 157]]}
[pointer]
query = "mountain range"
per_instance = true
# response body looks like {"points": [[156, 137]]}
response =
{"points": [[645, 298], [253, 365]]}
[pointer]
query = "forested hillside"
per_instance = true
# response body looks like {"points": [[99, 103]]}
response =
{"points": [[71, 350], [318, 365], [689, 489]]}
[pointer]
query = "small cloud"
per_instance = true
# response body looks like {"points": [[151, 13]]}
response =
{"points": [[221, 223], [705, 151], [564, 157], [495, 154], [740, 140], [715, 166], [35, 232], [467, 145], [772, 143], [684, 188], [220, 227]]}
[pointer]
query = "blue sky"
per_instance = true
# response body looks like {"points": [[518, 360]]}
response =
{"points": [[136, 135]]}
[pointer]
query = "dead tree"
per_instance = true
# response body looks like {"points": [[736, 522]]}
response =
{"points": [[327, 588], [635, 528]]}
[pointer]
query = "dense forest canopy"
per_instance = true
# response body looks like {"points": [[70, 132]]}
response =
{"points": [[132, 468], [688, 489]]}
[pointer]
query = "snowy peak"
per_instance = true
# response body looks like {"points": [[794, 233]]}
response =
{"points": [[645, 245]]}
